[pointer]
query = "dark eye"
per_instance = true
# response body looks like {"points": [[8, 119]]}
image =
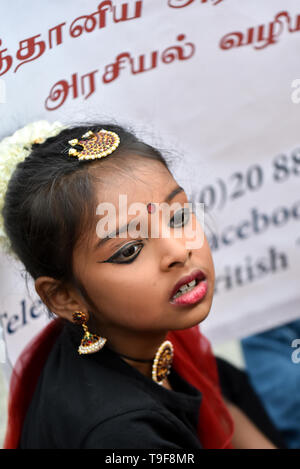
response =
{"points": [[126, 254], [180, 218]]}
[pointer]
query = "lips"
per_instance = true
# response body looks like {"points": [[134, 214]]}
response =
{"points": [[195, 275]]}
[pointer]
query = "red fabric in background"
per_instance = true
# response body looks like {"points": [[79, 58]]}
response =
{"points": [[24, 379], [193, 360]]}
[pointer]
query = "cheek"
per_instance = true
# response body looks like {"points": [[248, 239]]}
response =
{"points": [[208, 253], [205, 255], [126, 292], [210, 263]]}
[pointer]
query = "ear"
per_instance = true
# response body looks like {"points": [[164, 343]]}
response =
{"points": [[60, 298]]}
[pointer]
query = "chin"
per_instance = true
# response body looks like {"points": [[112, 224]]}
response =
{"points": [[202, 316], [195, 316]]}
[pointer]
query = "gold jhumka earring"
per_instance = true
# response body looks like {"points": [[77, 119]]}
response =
{"points": [[90, 343]]}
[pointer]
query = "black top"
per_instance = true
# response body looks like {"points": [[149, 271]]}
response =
{"points": [[100, 401]]}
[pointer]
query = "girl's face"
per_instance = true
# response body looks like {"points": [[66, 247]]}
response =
{"points": [[129, 280]]}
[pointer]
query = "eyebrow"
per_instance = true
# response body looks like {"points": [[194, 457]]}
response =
{"points": [[169, 197]]}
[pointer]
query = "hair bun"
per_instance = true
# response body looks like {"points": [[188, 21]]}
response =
{"points": [[13, 150]]}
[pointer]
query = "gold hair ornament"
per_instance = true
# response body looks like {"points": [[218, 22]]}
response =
{"points": [[95, 144]]}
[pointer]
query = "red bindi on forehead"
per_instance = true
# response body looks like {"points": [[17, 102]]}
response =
{"points": [[150, 207]]}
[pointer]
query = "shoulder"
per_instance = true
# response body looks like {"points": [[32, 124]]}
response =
{"points": [[79, 396], [151, 428]]}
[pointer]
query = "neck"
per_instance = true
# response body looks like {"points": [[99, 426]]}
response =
{"points": [[141, 360], [156, 367], [143, 367], [146, 369], [141, 364], [133, 346]]}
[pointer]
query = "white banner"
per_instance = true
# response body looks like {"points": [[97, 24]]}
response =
{"points": [[215, 82]]}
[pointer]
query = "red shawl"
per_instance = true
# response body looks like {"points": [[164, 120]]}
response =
{"points": [[193, 360]]}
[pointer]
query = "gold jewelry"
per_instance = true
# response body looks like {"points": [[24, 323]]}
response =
{"points": [[95, 145], [90, 343], [162, 362]]}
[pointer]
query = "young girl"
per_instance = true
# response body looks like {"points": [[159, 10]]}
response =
{"points": [[124, 364]]}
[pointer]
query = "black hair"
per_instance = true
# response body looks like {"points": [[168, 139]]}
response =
{"points": [[50, 199]]}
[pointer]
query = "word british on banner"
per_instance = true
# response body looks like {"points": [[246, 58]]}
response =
{"points": [[211, 80]]}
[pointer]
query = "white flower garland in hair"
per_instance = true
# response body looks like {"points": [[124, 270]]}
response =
{"points": [[13, 150]]}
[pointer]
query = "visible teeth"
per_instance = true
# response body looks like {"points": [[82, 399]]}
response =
{"points": [[185, 288]]}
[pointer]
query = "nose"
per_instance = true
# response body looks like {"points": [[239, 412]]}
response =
{"points": [[172, 246], [173, 251]]}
